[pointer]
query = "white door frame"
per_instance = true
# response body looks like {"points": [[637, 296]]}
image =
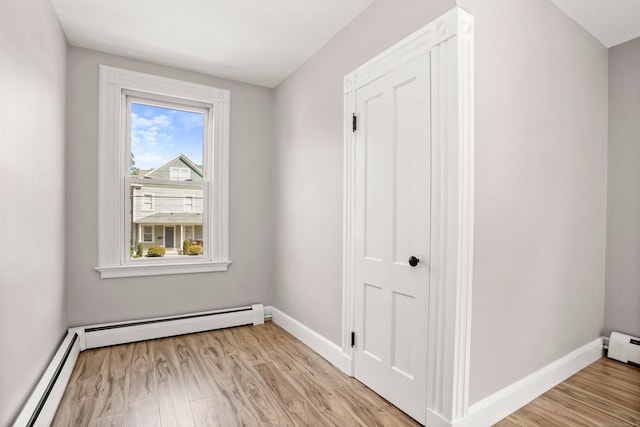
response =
{"points": [[449, 42]]}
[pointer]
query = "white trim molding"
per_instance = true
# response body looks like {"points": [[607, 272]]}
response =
{"points": [[43, 402], [318, 343], [113, 243], [162, 269], [501, 404], [107, 334], [449, 42]]}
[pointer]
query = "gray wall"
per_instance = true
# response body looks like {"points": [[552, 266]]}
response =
{"points": [[92, 300], [33, 316], [541, 150], [622, 298], [541, 106], [308, 277]]}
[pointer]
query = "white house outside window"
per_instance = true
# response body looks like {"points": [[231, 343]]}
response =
{"points": [[175, 137]]}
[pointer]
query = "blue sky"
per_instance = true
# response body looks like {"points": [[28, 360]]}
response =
{"points": [[159, 134]]}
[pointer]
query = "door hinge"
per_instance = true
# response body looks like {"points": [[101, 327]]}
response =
{"points": [[353, 339], [355, 122]]}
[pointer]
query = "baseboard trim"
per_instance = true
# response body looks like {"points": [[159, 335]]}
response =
{"points": [[437, 420], [45, 398], [43, 402], [318, 343], [508, 400], [160, 327]]}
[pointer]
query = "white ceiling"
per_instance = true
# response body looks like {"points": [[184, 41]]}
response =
{"points": [[255, 41], [261, 41], [610, 21]]}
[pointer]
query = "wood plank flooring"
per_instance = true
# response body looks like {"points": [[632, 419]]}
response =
{"points": [[606, 393], [262, 376], [245, 376]]}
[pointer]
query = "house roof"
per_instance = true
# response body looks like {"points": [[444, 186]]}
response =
{"points": [[162, 168], [185, 218]]}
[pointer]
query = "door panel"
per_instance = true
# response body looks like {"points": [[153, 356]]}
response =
{"points": [[373, 342], [403, 345], [408, 158], [392, 222], [375, 160]]}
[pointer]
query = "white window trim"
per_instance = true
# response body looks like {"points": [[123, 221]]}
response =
{"points": [[142, 207], [113, 244]]}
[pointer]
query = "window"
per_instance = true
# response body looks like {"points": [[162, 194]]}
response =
{"points": [[147, 202], [180, 174], [170, 141], [188, 233], [188, 203], [147, 233]]}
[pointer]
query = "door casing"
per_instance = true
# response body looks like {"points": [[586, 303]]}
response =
{"points": [[449, 42]]}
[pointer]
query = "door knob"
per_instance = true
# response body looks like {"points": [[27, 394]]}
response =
{"points": [[413, 261]]}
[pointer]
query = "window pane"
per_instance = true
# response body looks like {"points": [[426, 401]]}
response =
{"points": [[180, 174], [148, 233], [147, 202], [166, 143], [175, 215], [188, 203]]}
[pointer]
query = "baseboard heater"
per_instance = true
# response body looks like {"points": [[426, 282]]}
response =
{"points": [[624, 348], [44, 400]]}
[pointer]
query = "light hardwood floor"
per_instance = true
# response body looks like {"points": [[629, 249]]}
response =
{"points": [[245, 376], [261, 375], [606, 393]]}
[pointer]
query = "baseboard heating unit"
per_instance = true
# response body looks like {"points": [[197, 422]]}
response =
{"points": [[624, 348], [45, 398]]}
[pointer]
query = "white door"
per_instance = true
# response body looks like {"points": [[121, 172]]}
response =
{"points": [[392, 222]]}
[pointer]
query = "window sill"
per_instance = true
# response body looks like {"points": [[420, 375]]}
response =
{"points": [[161, 269]]}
